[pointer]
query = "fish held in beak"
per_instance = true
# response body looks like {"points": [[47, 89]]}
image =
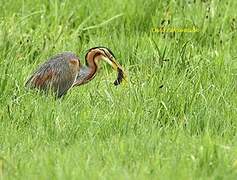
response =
{"points": [[120, 77]]}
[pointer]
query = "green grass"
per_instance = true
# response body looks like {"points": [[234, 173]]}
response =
{"points": [[184, 130]]}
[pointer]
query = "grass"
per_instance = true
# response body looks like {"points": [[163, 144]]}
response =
{"points": [[184, 130]]}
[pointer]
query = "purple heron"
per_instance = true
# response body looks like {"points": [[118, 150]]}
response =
{"points": [[64, 71]]}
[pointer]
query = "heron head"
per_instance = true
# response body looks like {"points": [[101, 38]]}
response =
{"points": [[103, 53]]}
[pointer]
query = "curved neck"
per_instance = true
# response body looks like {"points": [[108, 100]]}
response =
{"points": [[92, 59], [88, 72]]}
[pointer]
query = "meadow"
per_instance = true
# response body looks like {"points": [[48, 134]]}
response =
{"points": [[176, 118]]}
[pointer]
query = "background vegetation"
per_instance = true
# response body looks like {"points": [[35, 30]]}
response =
{"points": [[141, 130]]}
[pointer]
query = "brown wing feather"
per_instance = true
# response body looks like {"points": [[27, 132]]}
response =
{"points": [[42, 78], [57, 74]]}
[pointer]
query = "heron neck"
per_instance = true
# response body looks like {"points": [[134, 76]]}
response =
{"points": [[92, 64], [88, 72]]}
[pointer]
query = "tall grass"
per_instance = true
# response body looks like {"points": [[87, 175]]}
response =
{"points": [[176, 118]]}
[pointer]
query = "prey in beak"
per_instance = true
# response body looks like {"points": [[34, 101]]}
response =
{"points": [[120, 77], [110, 59], [93, 57]]}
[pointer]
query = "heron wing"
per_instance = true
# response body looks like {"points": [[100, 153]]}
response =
{"points": [[54, 74]]}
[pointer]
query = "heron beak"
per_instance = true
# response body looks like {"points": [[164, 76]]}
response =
{"points": [[116, 66]]}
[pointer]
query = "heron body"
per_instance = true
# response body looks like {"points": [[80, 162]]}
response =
{"points": [[63, 71], [58, 74]]}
